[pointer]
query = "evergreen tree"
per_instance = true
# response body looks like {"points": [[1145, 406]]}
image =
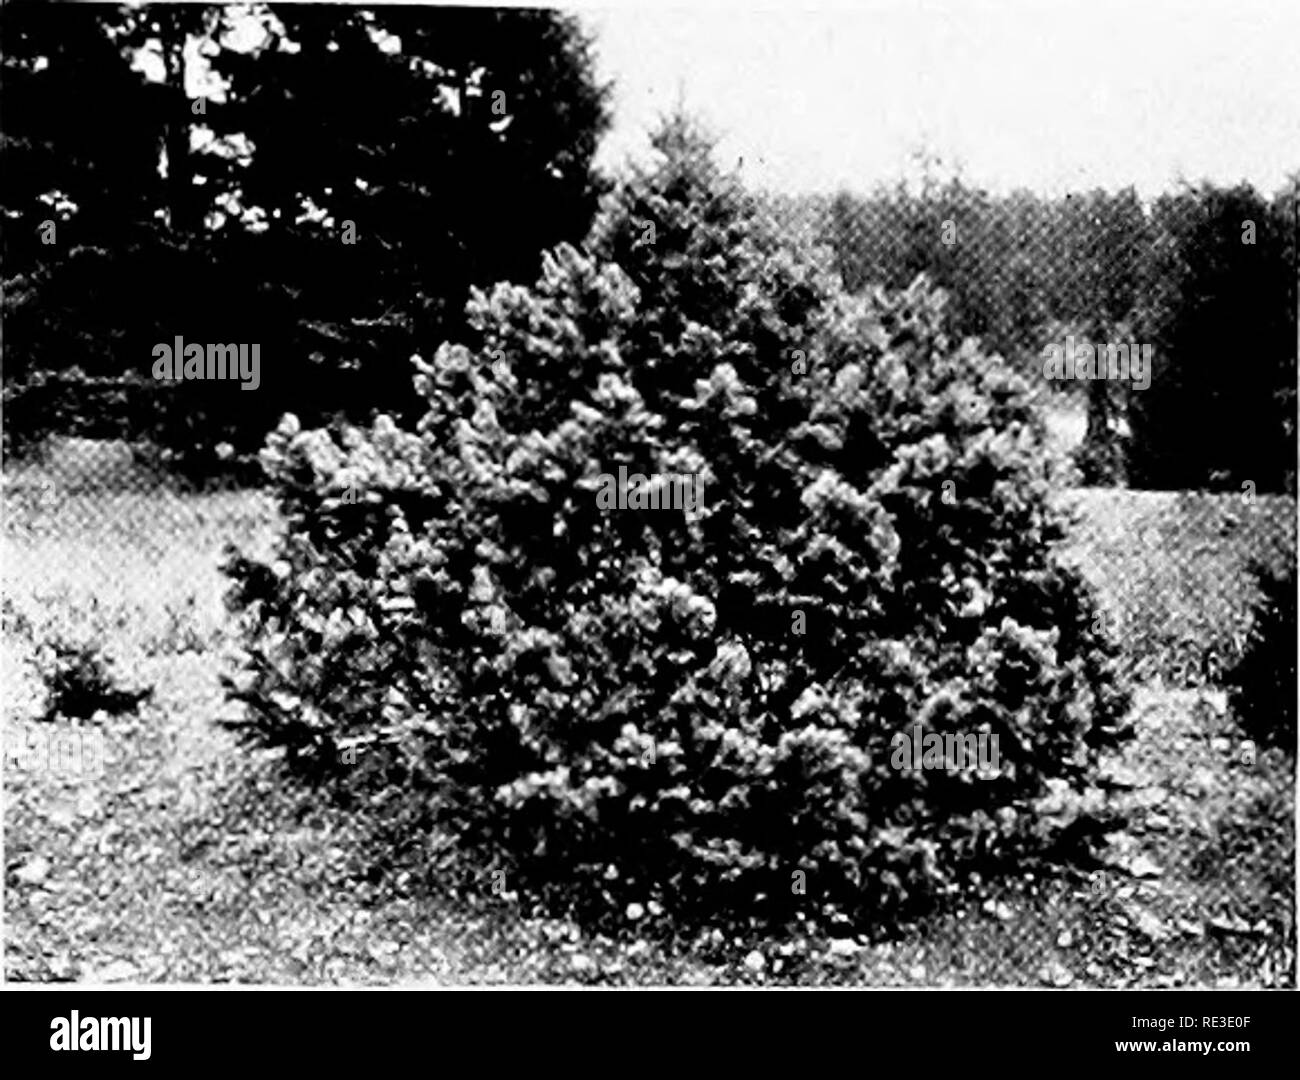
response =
{"points": [[701, 703], [325, 181], [1218, 412]]}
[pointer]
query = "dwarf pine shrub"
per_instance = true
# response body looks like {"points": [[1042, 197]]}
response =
{"points": [[623, 704]]}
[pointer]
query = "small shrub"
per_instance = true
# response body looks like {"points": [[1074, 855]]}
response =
{"points": [[79, 683], [1262, 686]]}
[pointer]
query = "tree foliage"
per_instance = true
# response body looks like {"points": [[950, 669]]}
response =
{"points": [[1183, 274], [326, 181]]}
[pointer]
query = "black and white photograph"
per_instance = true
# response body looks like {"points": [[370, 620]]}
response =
{"points": [[749, 496]]}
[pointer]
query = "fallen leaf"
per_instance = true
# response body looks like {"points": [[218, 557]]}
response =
{"points": [[113, 971], [999, 910], [1149, 926], [844, 948], [34, 871], [1056, 974], [1142, 866], [1230, 925]]}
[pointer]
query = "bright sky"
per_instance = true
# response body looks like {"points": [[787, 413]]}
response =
{"points": [[1051, 96], [1048, 94]]}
